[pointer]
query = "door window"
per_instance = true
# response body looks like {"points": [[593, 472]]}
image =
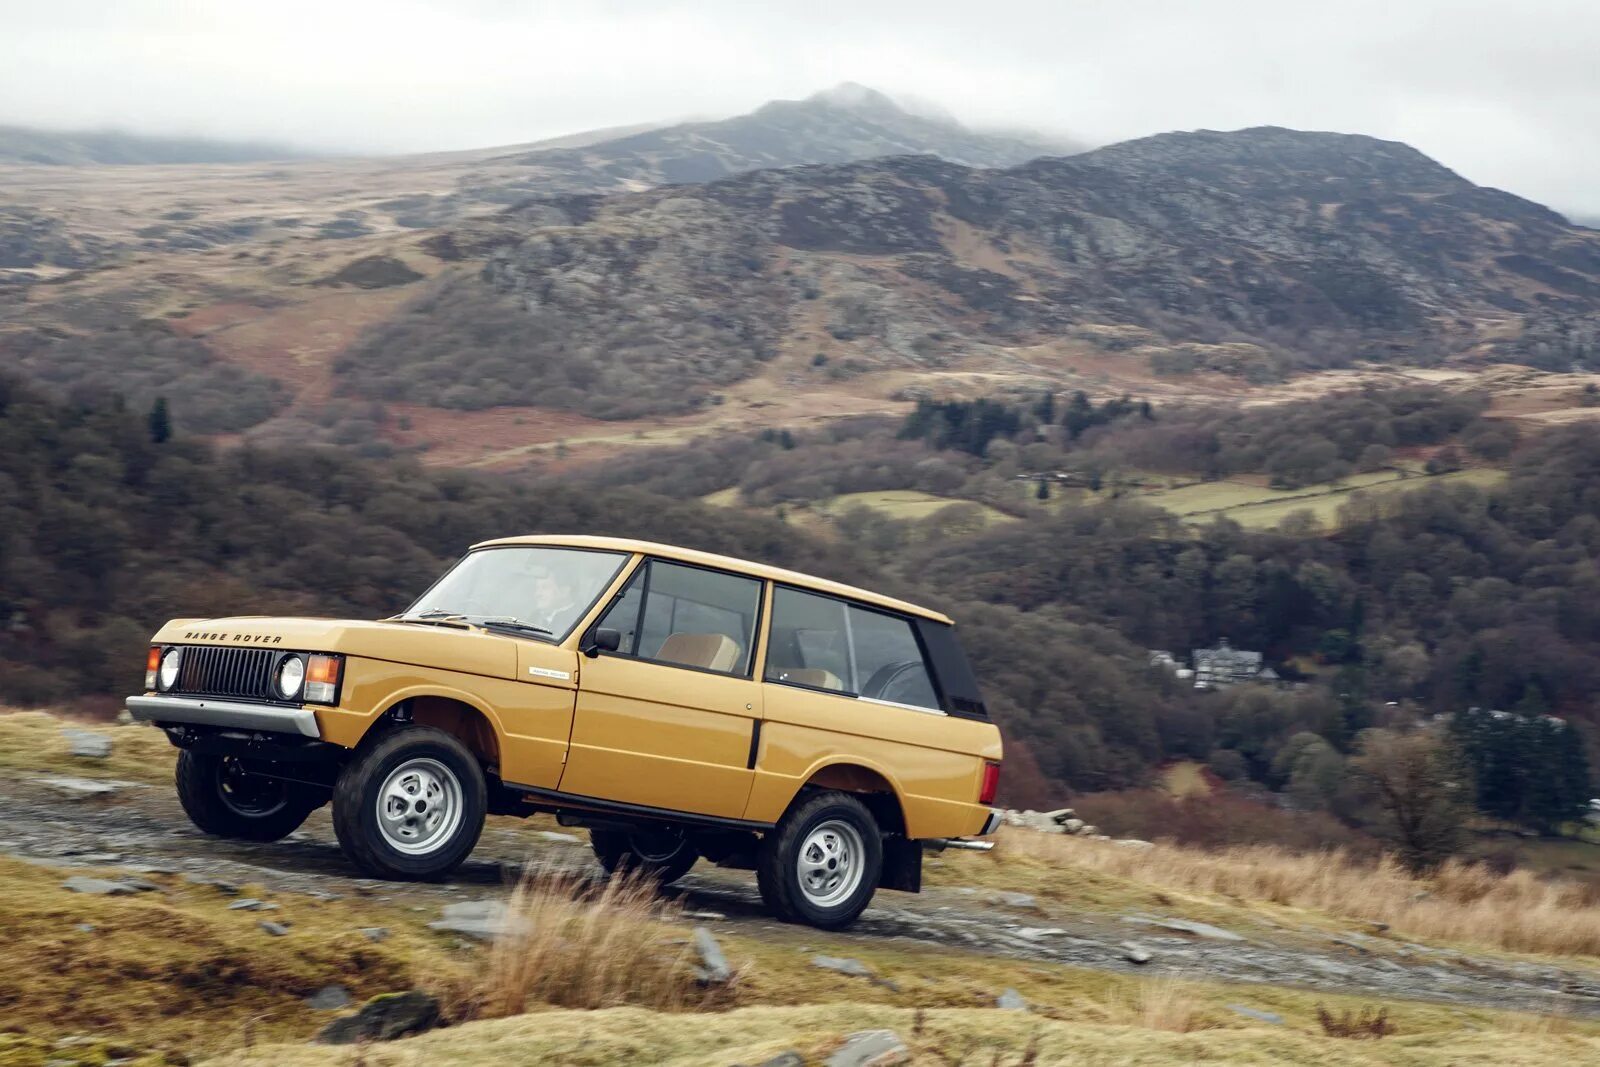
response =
{"points": [[823, 643], [688, 617]]}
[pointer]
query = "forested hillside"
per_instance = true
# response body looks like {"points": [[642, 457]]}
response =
{"points": [[106, 530], [1444, 598]]}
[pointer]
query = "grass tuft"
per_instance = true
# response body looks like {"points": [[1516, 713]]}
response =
{"points": [[572, 943], [1368, 1025]]}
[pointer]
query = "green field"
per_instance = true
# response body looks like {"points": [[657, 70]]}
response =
{"points": [[903, 504], [1259, 507]]}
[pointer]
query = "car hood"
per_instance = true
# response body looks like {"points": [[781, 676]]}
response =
{"points": [[447, 647]]}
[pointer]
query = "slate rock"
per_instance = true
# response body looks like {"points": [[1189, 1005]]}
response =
{"points": [[226, 888], [1134, 952], [556, 838], [1256, 1014], [855, 968], [1186, 926], [375, 933], [870, 1048], [329, 998], [78, 788], [86, 745], [251, 904], [274, 929], [714, 969], [98, 887], [1011, 1000], [482, 920], [384, 1018], [1013, 900]]}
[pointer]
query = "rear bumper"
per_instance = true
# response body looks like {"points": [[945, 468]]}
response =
{"points": [[206, 711], [991, 824]]}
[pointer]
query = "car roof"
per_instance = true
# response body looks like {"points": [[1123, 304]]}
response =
{"points": [[728, 563]]}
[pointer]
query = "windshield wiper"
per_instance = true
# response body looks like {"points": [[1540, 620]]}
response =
{"points": [[515, 626]]}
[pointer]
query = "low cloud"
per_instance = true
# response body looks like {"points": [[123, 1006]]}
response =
{"points": [[1504, 93]]}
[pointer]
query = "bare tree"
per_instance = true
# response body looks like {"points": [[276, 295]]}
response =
{"points": [[1419, 787]]}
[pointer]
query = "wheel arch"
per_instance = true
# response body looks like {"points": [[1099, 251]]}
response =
{"points": [[872, 785], [459, 714]]}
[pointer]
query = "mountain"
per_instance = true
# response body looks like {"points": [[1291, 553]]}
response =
{"points": [[22, 144], [1251, 253], [844, 124]]}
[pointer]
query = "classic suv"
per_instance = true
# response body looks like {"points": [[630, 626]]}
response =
{"points": [[678, 704]]}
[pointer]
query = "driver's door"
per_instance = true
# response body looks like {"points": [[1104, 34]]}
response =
{"points": [[669, 719]]}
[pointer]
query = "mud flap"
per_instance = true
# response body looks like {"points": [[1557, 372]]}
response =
{"points": [[902, 865]]}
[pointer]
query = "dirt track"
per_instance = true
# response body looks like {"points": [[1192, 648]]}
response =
{"points": [[144, 829]]}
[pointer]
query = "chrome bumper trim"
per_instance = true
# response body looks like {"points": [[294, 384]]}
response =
{"points": [[991, 824], [205, 711]]}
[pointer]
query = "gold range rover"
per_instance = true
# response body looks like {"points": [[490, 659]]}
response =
{"points": [[680, 705]]}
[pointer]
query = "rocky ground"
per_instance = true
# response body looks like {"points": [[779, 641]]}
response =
{"points": [[125, 832]]}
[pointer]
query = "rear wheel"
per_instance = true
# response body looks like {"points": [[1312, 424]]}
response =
{"points": [[661, 855], [820, 865], [222, 798], [410, 805]]}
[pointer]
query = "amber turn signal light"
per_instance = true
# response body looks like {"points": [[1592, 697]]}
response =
{"points": [[152, 664], [322, 678]]}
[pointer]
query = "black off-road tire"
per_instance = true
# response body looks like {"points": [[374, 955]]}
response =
{"points": [[801, 828], [224, 801], [428, 772], [619, 851]]}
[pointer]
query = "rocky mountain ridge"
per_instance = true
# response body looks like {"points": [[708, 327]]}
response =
{"points": [[1253, 253]]}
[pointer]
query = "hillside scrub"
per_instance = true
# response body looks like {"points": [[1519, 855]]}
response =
{"points": [[1462, 903]]}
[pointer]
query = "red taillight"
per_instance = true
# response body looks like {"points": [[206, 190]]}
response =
{"points": [[991, 782]]}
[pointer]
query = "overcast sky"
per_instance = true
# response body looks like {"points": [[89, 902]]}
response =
{"points": [[1507, 93]]}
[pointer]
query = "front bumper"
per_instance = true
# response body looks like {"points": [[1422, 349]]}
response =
{"points": [[207, 711]]}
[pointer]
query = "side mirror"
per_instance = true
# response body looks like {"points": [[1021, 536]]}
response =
{"points": [[601, 640]]}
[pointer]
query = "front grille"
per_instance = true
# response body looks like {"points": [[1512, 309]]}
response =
{"points": [[227, 672]]}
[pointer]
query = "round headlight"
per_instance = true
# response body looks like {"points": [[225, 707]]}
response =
{"points": [[291, 677], [168, 675]]}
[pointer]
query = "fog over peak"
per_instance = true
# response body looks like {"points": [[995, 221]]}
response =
{"points": [[1502, 92]]}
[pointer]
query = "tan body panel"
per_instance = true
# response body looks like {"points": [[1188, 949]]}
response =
{"points": [[933, 761], [531, 720], [662, 736]]}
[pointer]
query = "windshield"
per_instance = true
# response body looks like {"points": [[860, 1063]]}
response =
{"points": [[537, 589]]}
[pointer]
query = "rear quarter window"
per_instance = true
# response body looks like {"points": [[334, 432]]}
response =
{"points": [[829, 644]]}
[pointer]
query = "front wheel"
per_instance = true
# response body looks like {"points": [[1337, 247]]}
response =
{"points": [[663, 856], [224, 799], [820, 865], [410, 805]]}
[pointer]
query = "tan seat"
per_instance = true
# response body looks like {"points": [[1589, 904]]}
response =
{"points": [[812, 676], [711, 652]]}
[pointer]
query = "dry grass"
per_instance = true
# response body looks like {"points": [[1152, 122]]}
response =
{"points": [[36, 741], [571, 943], [973, 1037], [1159, 1004], [1461, 902]]}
